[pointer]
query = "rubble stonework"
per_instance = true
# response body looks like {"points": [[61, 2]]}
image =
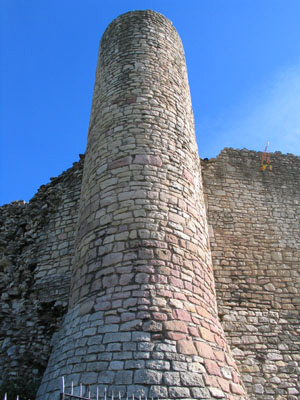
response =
{"points": [[254, 220], [142, 312], [36, 249]]}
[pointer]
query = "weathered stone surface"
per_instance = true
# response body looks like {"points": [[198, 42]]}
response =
{"points": [[147, 376], [186, 347], [142, 260], [252, 214]]}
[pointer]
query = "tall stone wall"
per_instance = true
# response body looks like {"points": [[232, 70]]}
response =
{"points": [[142, 313], [254, 220], [36, 251], [257, 295]]}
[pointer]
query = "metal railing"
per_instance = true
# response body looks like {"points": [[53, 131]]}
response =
{"points": [[84, 393], [80, 396]]}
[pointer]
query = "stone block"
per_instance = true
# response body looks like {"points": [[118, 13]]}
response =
{"points": [[141, 336], [145, 346], [212, 368], [116, 337], [111, 259], [191, 379], [217, 393], [116, 365], [204, 350], [122, 355], [181, 315], [131, 325], [200, 393], [186, 347], [124, 377], [147, 377], [148, 160], [177, 392], [89, 378], [106, 377], [159, 392], [160, 365], [171, 378], [177, 326], [134, 364]]}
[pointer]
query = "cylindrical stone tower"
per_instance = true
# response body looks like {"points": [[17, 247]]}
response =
{"points": [[142, 315]]}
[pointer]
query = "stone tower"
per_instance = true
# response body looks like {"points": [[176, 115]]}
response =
{"points": [[142, 313]]}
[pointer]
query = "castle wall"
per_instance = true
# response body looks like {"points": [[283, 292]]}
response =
{"points": [[254, 220], [142, 312], [253, 224], [36, 253]]}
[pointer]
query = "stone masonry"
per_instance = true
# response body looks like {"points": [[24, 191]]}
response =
{"points": [[142, 314], [254, 231]]}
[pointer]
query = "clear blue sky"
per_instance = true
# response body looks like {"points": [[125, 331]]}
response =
{"points": [[243, 59]]}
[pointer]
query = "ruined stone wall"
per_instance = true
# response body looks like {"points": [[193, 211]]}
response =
{"points": [[36, 249], [254, 220], [142, 312], [254, 231]]}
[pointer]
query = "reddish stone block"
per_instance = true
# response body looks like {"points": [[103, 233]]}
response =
{"points": [[203, 312], [207, 335], [179, 326], [171, 239], [192, 247], [188, 286], [186, 347], [165, 293], [194, 300], [121, 162], [220, 355], [204, 350], [162, 279], [176, 259], [235, 377], [238, 389], [131, 100], [163, 254], [196, 321], [176, 282], [179, 296], [159, 316], [174, 270], [148, 160], [187, 175], [212, 368], [175, 336], [182, 315], [182, 205], [193, 331], [224, 385], [211, 380]]}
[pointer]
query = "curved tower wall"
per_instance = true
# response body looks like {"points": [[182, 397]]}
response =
{"points": [[142, 313]]}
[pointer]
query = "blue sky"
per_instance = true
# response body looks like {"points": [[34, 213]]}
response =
{"points": [[243, 59]]}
